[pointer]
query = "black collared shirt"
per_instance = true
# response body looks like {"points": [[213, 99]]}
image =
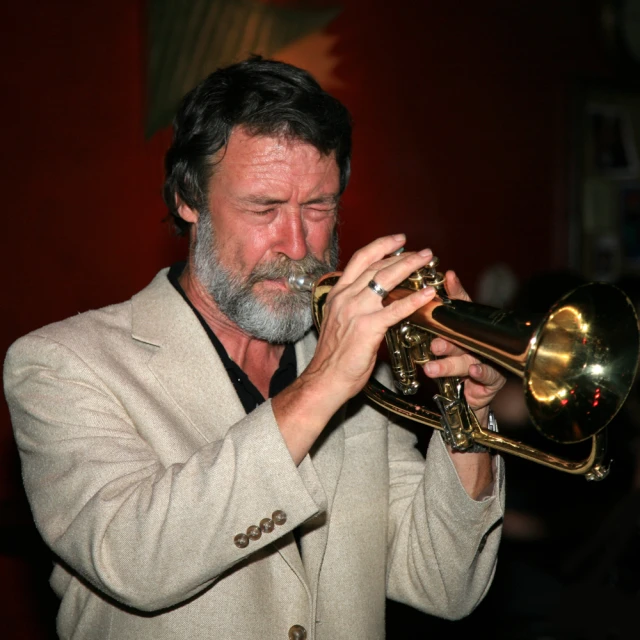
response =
{"points": [[246, 390]]}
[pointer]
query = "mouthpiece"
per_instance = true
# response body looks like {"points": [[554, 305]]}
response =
{"points": [[300, 282]]}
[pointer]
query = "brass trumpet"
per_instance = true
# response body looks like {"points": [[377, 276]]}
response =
{"points": [[577, 363]]}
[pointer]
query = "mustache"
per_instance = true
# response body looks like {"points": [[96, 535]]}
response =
{"points": [[285, 267]]}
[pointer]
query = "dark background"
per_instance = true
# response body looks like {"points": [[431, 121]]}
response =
{"points": [[464, 140]]}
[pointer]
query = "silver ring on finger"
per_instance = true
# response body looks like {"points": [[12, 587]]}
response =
{"points": [[375, 287]]}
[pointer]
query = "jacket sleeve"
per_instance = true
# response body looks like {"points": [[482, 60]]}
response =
{"points": [[146, 534], [442, 543]]}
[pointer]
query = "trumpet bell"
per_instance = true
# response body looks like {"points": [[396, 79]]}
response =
{"points": [[582, 363]]}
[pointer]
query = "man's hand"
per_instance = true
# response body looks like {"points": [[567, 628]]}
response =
{"points": [[482, 381], [355, 322]]}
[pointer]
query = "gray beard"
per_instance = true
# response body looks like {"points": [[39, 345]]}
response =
{"points": [[286, 316]]}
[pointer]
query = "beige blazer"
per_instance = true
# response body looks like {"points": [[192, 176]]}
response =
{"points": [[141, 467]]}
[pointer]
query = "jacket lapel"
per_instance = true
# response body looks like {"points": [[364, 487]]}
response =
{"points": [[186, 365]]}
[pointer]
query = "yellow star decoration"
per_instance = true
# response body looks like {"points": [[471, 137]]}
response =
{"points": [[188, 39], [315, 54]]}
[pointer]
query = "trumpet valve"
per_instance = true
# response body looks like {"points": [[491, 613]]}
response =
{"points": [[407, 385], [417, 342], [428, 276]]}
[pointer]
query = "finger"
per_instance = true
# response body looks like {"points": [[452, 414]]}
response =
{"points": [[352, 286], [400, 309], [392, 259], [454, 287], [478, 395], [486, 375], [457, 366], [394, 270], [370, 253], [441, 347]]}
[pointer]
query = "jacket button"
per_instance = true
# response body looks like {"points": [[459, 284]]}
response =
{"points": [[241, 541], [279, 517], [254, 532], [297, 632], [267, 525]]}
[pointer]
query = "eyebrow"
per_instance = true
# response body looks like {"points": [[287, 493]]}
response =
{"points": [[332, 198], [265, 200]]}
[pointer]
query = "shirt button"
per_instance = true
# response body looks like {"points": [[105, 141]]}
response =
{"points": [[279, 517], [297, 632], [266, 525], [254, 532], [241, 541]]}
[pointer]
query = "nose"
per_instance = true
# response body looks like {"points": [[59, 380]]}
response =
{"points": [[292, 237]]}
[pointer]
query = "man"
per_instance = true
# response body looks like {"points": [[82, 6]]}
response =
{"points": [[182, 504]]}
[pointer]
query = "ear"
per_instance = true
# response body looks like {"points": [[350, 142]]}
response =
{"points": [[186, 212]]}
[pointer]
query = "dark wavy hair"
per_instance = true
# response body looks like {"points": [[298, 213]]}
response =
{"points": [[265, 97]]}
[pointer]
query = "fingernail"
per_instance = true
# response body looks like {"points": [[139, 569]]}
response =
{"points": [[431, 368], [475, 370], [425, 252], [399, 237]]}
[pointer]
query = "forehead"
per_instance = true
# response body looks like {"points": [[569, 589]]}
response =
{"points": [[274, 158]]}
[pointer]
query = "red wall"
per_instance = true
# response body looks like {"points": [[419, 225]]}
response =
{"points": [[461, 141]]}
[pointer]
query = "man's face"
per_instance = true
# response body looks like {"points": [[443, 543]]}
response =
{"points": [[272, 212]]}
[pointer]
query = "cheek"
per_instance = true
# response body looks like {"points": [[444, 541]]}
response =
{"points": [[244, 252], [319, 238]]}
